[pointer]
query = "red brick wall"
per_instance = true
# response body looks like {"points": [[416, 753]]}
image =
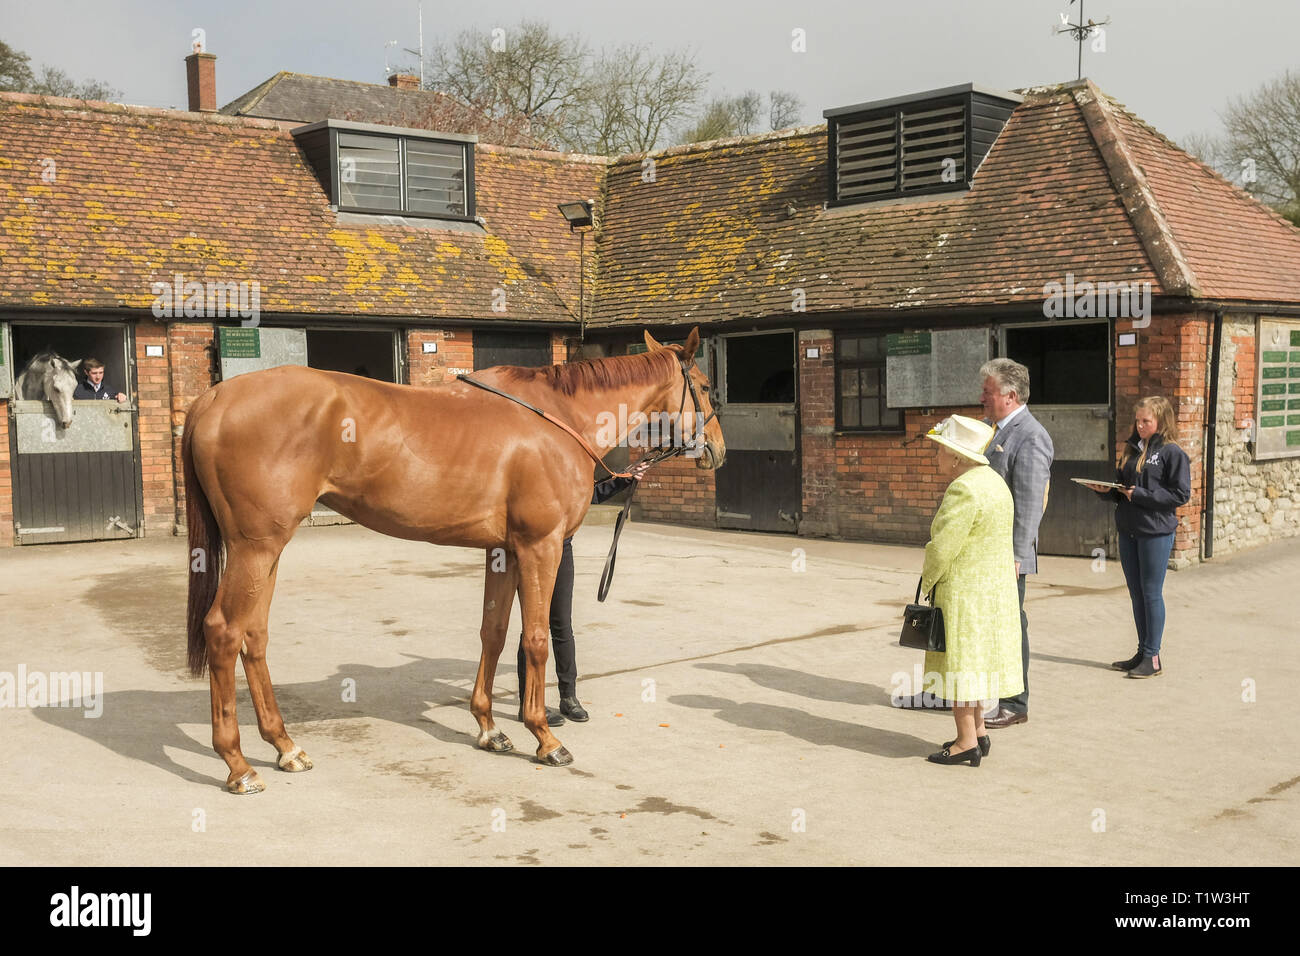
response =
{"points": [[864, 486], [6, 481], [1244, 386], [189, 357], [153, 397], [677, 491], [455, 351], [1173, 362]]}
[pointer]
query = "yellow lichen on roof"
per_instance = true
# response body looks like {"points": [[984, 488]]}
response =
{"points": [[500, 256]]}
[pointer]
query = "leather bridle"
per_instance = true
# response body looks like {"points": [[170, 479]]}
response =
{"points": [[650, 459]]}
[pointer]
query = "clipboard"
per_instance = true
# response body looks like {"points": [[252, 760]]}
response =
{"points": [[1094, 481]]}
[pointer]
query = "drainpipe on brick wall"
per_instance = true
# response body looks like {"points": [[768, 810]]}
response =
{"points": [[1211, 421]]}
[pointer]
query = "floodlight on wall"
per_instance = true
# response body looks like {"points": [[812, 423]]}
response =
{"points": [[578, 213]]}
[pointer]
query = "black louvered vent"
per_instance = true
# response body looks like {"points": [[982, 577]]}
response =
{"points": [[927, 143]]}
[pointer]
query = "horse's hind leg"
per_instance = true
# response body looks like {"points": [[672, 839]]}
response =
{"points": [[500, 581], [226, 628], [253, 653]]}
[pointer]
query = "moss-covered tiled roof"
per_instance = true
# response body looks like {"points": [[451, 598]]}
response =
{"points": [[98, 202], [737, 230]]}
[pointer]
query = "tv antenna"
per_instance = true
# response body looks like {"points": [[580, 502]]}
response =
{"points": [[420, 51], [1080, 31]]}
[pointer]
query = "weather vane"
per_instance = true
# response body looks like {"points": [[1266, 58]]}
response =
{"points": [[1080, 31]]}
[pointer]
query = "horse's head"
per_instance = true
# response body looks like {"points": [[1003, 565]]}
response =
{"points": [[53, 378], [698, 403]]}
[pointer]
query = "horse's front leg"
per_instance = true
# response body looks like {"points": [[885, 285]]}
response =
{"points": [[538, 562], [499, 585]]}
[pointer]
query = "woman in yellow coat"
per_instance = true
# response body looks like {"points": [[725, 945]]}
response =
{"points": [[970, 564]]}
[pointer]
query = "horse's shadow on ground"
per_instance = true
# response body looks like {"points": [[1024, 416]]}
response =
{"points": [[144, 724]]}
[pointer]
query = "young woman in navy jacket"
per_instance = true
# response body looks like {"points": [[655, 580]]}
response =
{"points": [[1156, 478]]}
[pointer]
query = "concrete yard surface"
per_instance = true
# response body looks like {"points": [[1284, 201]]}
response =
{"points": [[740, 691]]}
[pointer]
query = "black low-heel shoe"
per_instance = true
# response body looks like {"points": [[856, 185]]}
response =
{"points": [[984, 743], [947, 756]]}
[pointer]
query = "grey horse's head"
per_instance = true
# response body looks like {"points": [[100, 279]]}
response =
{"points": [[53, 378]]}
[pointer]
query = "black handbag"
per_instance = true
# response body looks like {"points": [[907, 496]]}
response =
{"points": [[923, 625]]}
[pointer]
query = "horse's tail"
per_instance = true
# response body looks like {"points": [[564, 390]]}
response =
{"points": [[205, 552]]}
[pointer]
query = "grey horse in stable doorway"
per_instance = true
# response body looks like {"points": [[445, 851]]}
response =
{"points": [[49, 377]]}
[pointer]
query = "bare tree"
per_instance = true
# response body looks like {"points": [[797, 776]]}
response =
{"points": [[1260, 150], [621, 100], [743, 115], [16, 76], [633, 97], [526, 72], [784, 109], [1263, 142], [15, 70]]}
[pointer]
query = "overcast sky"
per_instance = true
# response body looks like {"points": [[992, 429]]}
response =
{"points": [[1175, 63]]}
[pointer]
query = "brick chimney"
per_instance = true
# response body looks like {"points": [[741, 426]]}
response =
{"points": [[201, 71], [404, 81]]}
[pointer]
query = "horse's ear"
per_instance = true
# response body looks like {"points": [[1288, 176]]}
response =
{"points": [[77, 364], [650, 342], [692, 343]]}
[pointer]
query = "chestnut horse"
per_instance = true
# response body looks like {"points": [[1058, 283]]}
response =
{"points": [[451, 464]]}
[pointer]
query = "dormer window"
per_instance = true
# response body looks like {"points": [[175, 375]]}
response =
{"points": [[912, 145], [392, 171]]}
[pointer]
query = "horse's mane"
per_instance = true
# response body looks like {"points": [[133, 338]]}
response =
{"points": [[588, 375]]}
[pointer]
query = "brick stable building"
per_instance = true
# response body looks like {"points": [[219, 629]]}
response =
{"points": [[828, 256], [850, 278], [171, 244]]}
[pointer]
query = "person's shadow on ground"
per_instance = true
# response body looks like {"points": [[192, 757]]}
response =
{"points": [[825, 731]]}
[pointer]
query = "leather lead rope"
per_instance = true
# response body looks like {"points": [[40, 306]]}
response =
{"points": [[550, 418], [607, 575]]}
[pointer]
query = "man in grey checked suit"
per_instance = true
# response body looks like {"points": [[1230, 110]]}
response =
{"points": [[1021, 452]]}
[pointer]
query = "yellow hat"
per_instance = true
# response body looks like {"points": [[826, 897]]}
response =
{"points": [[966, 436]]}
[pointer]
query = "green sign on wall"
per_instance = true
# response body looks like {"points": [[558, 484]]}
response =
{"points": [[908, 343], [1293, 438], [240, 343]]}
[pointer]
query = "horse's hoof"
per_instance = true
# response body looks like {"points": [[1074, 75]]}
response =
{"points": [[250, 782], [559, 757], [295, 761], [498, 743]]}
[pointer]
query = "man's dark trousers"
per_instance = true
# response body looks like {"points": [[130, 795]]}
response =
{"points": [[566, 662], [1020, 703]]}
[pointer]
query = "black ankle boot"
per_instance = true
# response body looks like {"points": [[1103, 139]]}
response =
{"points": [[1129, 664]]}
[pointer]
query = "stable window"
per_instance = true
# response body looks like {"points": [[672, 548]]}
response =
{"points": [[380, 169], [860, 385], [401, 174], [912, 145]]}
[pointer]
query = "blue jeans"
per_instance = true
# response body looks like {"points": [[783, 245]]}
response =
{"points": [[1145, 560]]}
